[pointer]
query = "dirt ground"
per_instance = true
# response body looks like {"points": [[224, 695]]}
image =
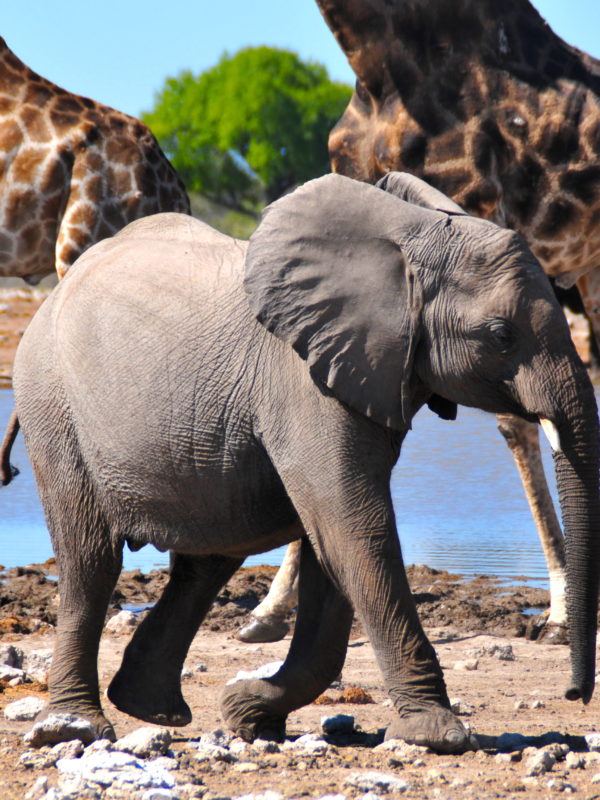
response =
{"points": [[463, 619]]}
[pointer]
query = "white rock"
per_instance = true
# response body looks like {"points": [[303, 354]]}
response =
{"points": [[25, 709], [268, 795], [119, 768], [60, 728], [310, 743], [575, 761], [503, 652], [376, 781], [37, 664], [595, 778], [39, 788], [158, 794], [469, 665], [145, 741], [538, 704], [123, 622], [266, 671], [402, 750], [238, 746], [216, 738], [520, 705], [8, 673], [265, 746], [461, 708], [98, 746], [72, 749], [246, 766], [593, 741], [540, 763], [339, 723]]}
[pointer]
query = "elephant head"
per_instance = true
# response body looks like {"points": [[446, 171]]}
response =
{"points": [[395, 297]]}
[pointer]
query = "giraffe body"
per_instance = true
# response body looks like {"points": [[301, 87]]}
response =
{"points": [[72, 172]]}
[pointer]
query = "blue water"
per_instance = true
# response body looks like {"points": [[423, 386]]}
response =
{"points": [[457, 495]]}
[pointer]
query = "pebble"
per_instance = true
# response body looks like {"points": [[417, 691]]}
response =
{"points": [[575, 761], [269, 795], [595, 778], [310, 743], [503, 652], [520, 705], [469, 665], [145, 742], [123, 622], [593, 741], [340, 723], [376, 781], [25, 709], [39, 788], [10, 673], [11, 656], [265, 746], [266, 671], [246, 766], [37, 664], [461, 708], [60, 728], [540, 763]]}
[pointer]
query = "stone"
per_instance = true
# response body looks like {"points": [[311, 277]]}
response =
{"points": [[593, 741], [246, 766], [340, 723], [24, 710], [574, 761], [376, 781], [158, 794], [37, 664], [60, 728], [520, 705], [503, 652], [461, 708], [267, 795], [540, 763], [310, 743], [120, 769], [190, 791], [265, 746], [469, 665], [266, 671], [11, 656], [9, 673], [72, 749], [39, 788], [145, 742], [123, 622]]}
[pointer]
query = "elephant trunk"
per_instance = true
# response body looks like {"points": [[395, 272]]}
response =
{"points": [[577, 477]]}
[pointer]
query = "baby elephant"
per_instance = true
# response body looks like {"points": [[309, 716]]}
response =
{"points": [[218, 398]]}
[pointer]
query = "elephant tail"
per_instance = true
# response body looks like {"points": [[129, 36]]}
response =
{"points": [[7, 471]]}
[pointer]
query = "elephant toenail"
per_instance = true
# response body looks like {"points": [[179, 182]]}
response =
{"points": [[454, 736]]}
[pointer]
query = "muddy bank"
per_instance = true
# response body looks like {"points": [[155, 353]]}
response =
{"points": [[28, 599]]}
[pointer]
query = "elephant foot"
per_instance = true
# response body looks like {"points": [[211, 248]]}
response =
{"points": [[249, 713], [151, 701], [267, 629], [439, 730], [54, 724], [540, 630]]}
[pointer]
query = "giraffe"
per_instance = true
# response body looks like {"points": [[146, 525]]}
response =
{"points": [[485, 102], [72, 172]]}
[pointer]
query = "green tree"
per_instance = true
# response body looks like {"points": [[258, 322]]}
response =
{"points": [[251, 127]]}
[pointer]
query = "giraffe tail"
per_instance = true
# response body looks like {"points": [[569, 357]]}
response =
{"points": [[7, 471]]}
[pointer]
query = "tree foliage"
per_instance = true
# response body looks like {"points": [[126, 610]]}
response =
{"points": [[255, 124]]}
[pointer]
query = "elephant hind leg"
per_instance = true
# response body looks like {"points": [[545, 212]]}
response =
{"points": [[259, 708], [148, 683]]}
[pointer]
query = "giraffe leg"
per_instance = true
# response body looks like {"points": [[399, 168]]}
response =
{"points": [[267, 621], [523, 440]]}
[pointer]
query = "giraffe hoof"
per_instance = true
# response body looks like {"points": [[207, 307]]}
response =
{"points": [[269, 629]]}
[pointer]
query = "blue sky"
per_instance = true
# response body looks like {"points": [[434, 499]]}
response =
{"points": [[120, 51]]}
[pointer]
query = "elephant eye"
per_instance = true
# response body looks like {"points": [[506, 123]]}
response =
{"points": [[504, 335]]}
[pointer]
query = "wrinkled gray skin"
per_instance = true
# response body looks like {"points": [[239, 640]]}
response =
{"points": [[164, 399]]}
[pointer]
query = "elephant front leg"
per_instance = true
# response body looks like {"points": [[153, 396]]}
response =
{"points": [[523, 440], [148, 683], [259, 708], [353, 530]]}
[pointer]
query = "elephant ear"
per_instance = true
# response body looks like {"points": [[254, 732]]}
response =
{"points": [[327, 271], [412, 189]]}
